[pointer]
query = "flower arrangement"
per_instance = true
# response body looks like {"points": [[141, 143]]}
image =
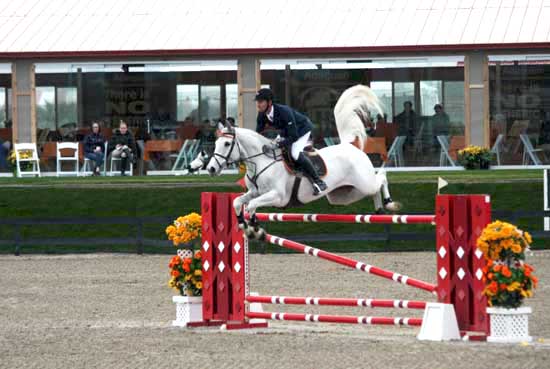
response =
{"points": [[185, 229], [186, 273], [508, 279], [23, 154], [186, 266], [473, 157]]}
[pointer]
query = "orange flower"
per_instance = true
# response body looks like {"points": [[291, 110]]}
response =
{"points": [[493, 287], [186, 268], [506, 272], [503, 286], [497, 268], [187, 261], [175, 273], [490, 276], [198, 255]]}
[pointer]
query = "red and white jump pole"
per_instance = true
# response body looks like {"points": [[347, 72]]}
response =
{"points": [[348, 319], [372, 303], [342, 260], [346, 218], [459, 220]]}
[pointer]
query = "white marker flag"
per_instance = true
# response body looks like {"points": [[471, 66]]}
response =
{"points": [[441, 183]]}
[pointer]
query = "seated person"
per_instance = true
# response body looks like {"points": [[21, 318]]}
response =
{"points": [[440, 121], [94, 145], [407, 121], [123, 146]]}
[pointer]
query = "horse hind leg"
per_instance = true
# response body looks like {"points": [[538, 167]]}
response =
{"points": [[384, 191]]}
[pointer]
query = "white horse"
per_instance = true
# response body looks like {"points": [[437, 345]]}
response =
{"points": [[350, 173]]}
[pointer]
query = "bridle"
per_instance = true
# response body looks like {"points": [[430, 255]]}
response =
{"points": [[245, 160]]}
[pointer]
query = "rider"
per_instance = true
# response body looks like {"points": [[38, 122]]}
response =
{"points": [[295, 130]]}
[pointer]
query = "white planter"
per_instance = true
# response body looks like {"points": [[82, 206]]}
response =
{"points": [[188, 309], [509, 325]]}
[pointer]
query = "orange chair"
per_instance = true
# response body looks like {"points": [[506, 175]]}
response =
{"points": [[166, 146], [376, 145]]}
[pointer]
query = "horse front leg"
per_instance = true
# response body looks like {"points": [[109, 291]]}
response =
{"points": [[269, 198], [238, 205]]}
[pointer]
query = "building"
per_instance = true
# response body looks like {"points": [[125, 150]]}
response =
{"points": [[172, 69]]}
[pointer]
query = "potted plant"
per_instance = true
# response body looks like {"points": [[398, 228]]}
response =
{"points": [[186, 270], [25, 165], [508, 281], [475, 157]]}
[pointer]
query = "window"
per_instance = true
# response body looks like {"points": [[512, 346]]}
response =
{"points": [[231, 101], [209, 107], [45, 107], [453, 101], [403, 91], [431, 94], [67, 110], [3, 111], [188, 102], [383, 90]]}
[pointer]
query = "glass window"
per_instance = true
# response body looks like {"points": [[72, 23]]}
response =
{"points": [[403, 92], [519, 99], [383, 89], [210, 103], [453, 103], [66, 106], [45, 107], [431, 93], [188, 102], [3, 112], [424, 81], [231, 100]]}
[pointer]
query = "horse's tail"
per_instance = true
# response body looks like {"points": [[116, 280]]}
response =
{"points": [[352, 110]]}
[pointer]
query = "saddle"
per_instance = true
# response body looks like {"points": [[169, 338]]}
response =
{"points": [[312, 154]]}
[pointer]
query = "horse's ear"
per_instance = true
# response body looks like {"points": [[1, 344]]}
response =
{"points": [[220, 126]]}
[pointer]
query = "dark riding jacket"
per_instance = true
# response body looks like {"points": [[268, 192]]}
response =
{"points": [[291, 124]]}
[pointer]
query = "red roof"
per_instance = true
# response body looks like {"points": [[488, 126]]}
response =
{"points": [[51, 28]]}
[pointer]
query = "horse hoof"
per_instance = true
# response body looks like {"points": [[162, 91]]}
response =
{"points": [[379, 211], [260, 234], [393, 206]]}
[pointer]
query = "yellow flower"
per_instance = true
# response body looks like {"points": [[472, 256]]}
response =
{"points": [[513, 286], [198, 272], [198, 285]]}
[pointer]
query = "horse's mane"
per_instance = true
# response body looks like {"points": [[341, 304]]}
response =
{"points": [[248, 133]]}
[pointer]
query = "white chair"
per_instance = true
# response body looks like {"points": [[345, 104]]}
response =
{"points": [[444, 156], [395, 154], [496, 147], [112, 164], [33, 159], [86, 166], [60, 159], [529, 152]]}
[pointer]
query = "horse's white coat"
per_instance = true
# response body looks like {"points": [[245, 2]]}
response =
{"points": [[350, 173]]}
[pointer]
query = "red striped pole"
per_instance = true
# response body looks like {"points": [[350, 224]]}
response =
{"points": [[346, 218], [373, 303], [308, 250], [349, 319]]}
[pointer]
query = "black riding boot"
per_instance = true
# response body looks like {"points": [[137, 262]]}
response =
{"points": [[123, 163], [309, 170]]}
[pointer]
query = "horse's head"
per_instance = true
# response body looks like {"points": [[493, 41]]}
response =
{"points": [[225, 151], [199, 162]]}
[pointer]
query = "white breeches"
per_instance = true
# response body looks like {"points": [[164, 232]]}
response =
{"points": [[298, 146]]}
